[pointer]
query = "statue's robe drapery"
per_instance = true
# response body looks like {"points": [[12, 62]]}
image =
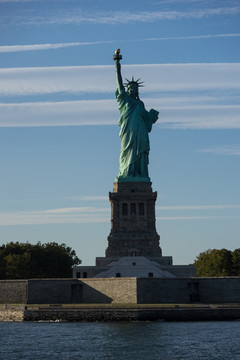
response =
{"points": [[136, 122]]}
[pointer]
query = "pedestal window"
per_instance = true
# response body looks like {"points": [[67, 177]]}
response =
{"points": [[133, 209], [125, 209], [141, 209]]}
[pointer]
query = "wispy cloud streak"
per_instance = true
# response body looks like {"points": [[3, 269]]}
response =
{"points": [[175, 89], [100, 79], [104, 112], [191, 37], [96, 215], [79, 16], [55, 216], [223, 150], [29, 1], [88, 198], [198, 207], [68, 113], [46, 80], [38, 47], [184, 218]]}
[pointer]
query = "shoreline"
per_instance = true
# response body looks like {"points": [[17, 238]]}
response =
{"points": [[119, 312]]}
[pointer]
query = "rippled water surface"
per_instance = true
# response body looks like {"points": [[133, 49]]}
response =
{"points": [[120, 341]]}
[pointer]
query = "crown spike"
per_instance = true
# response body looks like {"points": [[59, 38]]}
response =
{"points": [[139, 84]]}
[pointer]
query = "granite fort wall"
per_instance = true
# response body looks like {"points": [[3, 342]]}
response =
{"points": [[13, 291], [67, 291], [114, 290], [188, 290], [50, 291], [167, 290], [121, 290], [219, 290]]}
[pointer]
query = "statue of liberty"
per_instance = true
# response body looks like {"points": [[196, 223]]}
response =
{"points": [[136, 122]]}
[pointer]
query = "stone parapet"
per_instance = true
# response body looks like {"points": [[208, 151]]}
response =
{"points": [[132, 187]]}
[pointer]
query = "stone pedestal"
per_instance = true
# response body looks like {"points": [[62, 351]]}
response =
{"points": [[133, 231]]}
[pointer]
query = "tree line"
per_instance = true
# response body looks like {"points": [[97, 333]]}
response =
{"points": [[218, 263], [51, 260], [24, 260]]}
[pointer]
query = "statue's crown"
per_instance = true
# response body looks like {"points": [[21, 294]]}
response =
{"points": [[139, 84]]}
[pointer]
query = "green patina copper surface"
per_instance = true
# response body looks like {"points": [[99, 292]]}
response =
{"points": [[135, 122]]}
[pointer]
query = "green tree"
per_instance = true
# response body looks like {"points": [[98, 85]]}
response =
{"points": [[18, 265], [236, 262], [215, 263], [24, 260]]}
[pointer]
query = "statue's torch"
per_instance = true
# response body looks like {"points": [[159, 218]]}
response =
{"points": [[117, 55]]}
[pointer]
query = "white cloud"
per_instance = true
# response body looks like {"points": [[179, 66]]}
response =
{"points": [[180, 93], [201, 117], [191, 37], [26, 1], [101, 79], [205, 2], [46, 80], [95, 215], [223, 150], [177, 218], [69, 113], [55, 216], [79, 215], [38, 47], [73, 210], [78, 16], [198, 207], [104, 112], [193, 208], [88, 198], [174, 15], [18, 1]]}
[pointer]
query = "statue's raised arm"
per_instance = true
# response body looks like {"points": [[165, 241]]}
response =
{"points": [[136, 122], [117, 57]]}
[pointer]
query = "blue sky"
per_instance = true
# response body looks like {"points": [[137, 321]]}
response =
{"points": [[59, 144]]}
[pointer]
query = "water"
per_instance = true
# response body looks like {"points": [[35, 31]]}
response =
{"points": [[120, 341]]}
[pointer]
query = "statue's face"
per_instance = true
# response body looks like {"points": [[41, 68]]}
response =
{"points": [[132, 89]]}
